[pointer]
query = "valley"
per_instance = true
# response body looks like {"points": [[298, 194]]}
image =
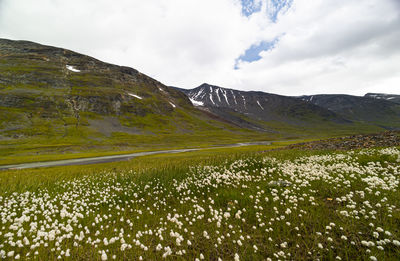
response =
{"points": [[102, 162], [54, 101], [121, 157]]}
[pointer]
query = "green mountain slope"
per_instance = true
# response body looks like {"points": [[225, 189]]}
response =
{"points": [[55, 100], [52, 96]]}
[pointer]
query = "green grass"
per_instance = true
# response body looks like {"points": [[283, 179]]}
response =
{"points": [[33, 177], [44, 139], [9, 157], [32, 151], [190, 193]]}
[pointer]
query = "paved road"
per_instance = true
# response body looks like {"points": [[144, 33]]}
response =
{"points": [[114, 158]]}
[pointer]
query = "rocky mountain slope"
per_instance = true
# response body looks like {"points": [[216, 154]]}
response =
{"points": [[258, 107], [381, 112], [56, 83], [54, 93], [383, 96], [52, 97]]}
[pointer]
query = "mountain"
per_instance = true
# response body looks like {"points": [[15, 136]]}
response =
{"points": [[43, 78], [372, 110], [382, 96], [55, 100], [51, 95], [255, 109]]}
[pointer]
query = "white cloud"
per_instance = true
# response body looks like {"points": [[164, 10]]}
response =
{"points": [[331, 47], [325, 46]]}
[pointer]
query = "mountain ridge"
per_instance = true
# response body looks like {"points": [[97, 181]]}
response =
{"points": [[385, 96], [256, 104], [381, 112], [54, 97]]}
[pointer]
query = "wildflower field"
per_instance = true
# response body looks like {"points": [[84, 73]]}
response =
{"points": [[285, 205]]}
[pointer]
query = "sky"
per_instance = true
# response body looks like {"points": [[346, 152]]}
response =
{"points": [[289, 47]]}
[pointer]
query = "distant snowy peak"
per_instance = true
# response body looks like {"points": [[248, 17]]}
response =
{"points": [[246, 108], [241, 101], [383, 96], [211, 95], [246, 102]]}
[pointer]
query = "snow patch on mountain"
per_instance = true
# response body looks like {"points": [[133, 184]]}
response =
{"points": [[244, 101], [72, 68], [234, 97], [196, 103], [217, 92], [134, 95], [211, 98], [226, 97], [260, 105]]}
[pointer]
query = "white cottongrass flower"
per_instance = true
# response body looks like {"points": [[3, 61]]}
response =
{"points": [[103, 256], [396, 243]]}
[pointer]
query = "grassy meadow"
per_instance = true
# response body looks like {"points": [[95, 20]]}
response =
{"points": [[222, 204]]}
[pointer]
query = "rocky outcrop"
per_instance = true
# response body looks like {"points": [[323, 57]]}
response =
{"points": [[383, 139], [384, 96]]}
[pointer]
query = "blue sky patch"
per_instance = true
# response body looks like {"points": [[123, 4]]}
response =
{"points": [[250, 6], [273, 7], [253, 53]]}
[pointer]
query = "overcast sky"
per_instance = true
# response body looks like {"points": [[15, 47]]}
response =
{"points": [[289, 47]]}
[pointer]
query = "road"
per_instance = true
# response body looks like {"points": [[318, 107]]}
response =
{"points": [[114, 158]]}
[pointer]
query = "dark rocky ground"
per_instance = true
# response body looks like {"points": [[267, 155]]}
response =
{"points": [[383, 139]]}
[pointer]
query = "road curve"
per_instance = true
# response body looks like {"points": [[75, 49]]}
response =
{"points": [[114, 158]]}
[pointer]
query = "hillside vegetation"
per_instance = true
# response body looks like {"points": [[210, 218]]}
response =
{"points": [[54, 101]]}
